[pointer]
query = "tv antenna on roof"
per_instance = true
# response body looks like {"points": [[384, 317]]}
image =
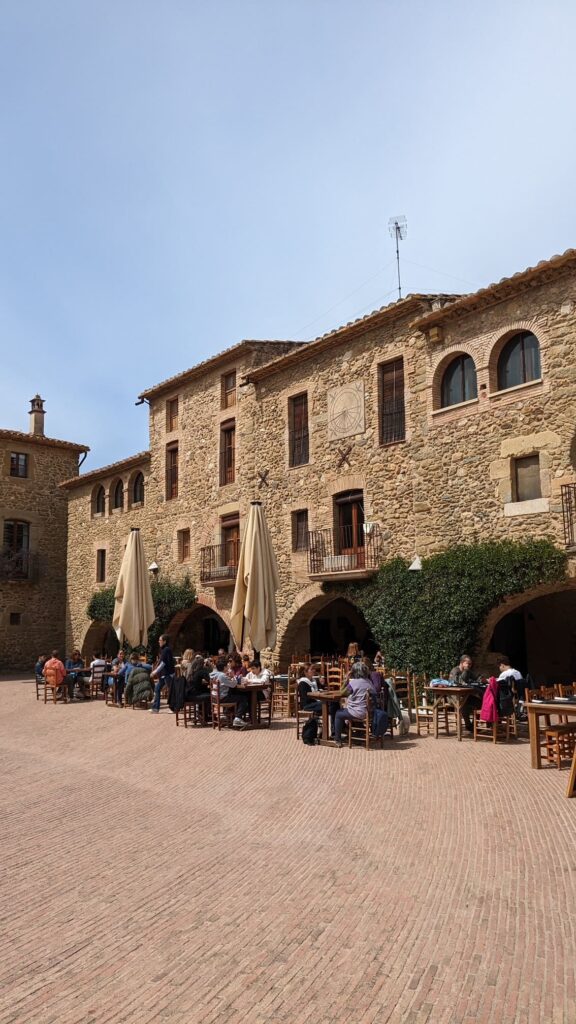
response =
{"points": [[398, 229]]}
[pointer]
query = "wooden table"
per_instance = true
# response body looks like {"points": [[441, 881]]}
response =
{"points": [[454, 696], [536, 711], [253, 689], [325, 696]]}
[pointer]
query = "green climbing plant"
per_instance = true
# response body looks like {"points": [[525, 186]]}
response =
{"points": [[427, 618], [169, 597]]}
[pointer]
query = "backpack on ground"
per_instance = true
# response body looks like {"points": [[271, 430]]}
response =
{"points": [[379, 722], [310, 732]]}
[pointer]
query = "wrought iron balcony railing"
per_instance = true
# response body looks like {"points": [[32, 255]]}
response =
{"points": [[219, 562], [344, 549], [568, 492], [18, 565]]}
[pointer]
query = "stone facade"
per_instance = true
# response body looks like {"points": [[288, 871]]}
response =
{"points": [[33, 570], [451, 477]]}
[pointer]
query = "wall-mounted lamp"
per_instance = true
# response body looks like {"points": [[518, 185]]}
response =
{"points": [[154, 568], [416, 565]]}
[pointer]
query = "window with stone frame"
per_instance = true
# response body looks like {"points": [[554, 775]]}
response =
{"points": [[183, 538], [171, 471], [118, 495], [392, 411], [300, 530], [526, 478], [298, 436], [459, 382], [230, 538], [15, 560], [19, 465], [228, 389], [100, 502], [138, 489], [227, 452], [101, 565], [172, 414], [519, 361]]}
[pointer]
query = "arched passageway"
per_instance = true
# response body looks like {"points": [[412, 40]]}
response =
{"points": [[539, 637], [200, 628], [100, 639], [325, 625]]}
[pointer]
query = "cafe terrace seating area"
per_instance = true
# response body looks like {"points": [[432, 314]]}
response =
{"points": [[431, 710]]}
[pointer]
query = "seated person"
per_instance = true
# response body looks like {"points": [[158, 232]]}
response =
{"points": [[513, 676], [138, 683], [39, 667], [462, 675], [74, 679], [229, 692], [117, 678], [356, 689], [197, 680], [307, 686], [57, 666], [259, 674]]}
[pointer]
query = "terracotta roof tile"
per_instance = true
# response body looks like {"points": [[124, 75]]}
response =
{"points": [[113, 467], [51, 442], [499, 290]]}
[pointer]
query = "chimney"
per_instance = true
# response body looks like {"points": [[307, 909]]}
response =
{"points": [[37, 416]]}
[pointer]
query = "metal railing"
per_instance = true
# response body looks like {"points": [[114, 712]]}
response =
{"points": [[344, 549], [568, 493], [219, 562], [18, 565]]}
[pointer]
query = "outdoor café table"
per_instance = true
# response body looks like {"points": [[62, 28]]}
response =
{"points": [[325, 696], [445, 696], [253, 689], [537, 710]]}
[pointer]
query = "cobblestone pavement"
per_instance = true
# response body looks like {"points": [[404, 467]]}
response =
{"points": [[153, 874]]}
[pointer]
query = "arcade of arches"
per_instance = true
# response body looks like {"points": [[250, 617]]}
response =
{"points": [[325, 625], [539, 637], [200, 628]]}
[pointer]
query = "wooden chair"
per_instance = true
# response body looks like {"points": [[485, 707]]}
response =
{"points": [[96, 682], [559, 742], [281, 702], [194, 712], [264, 706], [39, 680], [359, 728], [51, 683], [221, 708], [503, 728], [334, 677], [402, 686], [422, 709]]}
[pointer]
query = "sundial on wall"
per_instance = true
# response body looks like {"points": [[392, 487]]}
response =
{"points": [[346, 410]]}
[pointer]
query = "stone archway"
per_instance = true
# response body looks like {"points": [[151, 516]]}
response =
{"points": [[322, 623], [200, 627], [100, 637], [536, 630]]}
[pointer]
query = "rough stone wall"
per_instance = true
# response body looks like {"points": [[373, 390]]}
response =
{"points": [[40, 601], [450, 481]]}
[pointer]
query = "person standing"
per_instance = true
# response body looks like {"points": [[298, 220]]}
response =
{"points": [[163, 673]]}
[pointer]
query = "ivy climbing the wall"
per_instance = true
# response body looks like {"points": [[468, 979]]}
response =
{"points": [[169, 597], [427, 618]]}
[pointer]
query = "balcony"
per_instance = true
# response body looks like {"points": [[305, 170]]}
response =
{"points": [[18, 565], [344, 553], [568, 492], [219, 563]]}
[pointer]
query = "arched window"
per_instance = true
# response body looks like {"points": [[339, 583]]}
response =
{"points": [[459, 382], [100, 502], [138, 489], [118, 495], [519, 361]]}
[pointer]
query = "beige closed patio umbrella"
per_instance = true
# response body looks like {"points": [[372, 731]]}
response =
{"points": [[133, 605], [254, 603]]}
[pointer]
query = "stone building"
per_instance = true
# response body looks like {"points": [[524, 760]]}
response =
{"points": [[435, 420], [34, 515]]}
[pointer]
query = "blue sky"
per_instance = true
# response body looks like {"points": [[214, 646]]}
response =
{"points": [[177, 176]]}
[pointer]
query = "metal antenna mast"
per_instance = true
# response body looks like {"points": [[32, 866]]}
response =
{"points": [[398, 229]]}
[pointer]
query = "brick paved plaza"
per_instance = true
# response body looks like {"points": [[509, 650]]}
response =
{"points": [[151, 874]]}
